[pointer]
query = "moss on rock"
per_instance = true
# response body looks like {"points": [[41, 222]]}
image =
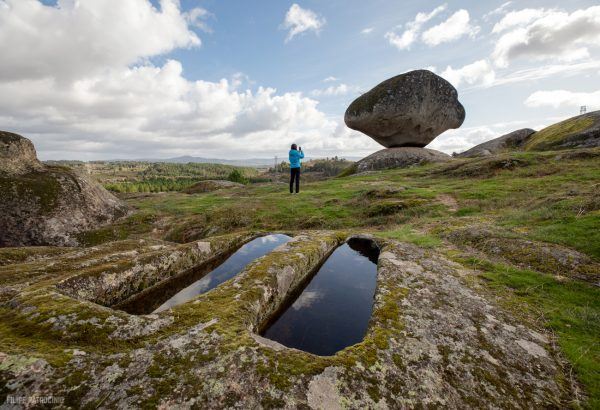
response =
{"points": [[205, 351], [556, 135]]}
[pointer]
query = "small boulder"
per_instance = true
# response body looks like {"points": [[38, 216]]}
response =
{"points": [[512, 141], [211, 185], [47, 205], [401, 157], [410, 109]]}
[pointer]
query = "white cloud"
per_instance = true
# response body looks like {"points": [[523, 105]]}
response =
{"points": [[197, 17], [344, 138], [463, 138], [519, 18], [545, 71], [156, 111], [455, 27], [549, 34], [81, 91], [367, 30], [330, 79], [402, 42], [479, 72], [497, 11], [564, 98], [84, 37], [299, 20], [413, 28], [341, 89], [482, 75]]}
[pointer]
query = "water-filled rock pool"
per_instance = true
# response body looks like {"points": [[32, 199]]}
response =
{"points": [[334, 308], [202, 279]]}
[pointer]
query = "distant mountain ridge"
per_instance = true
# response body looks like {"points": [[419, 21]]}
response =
{"points": [[250, 162]]}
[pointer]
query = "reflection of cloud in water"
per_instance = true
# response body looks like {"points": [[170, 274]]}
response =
{"points": [[249, 253], [186, 294], [269, 238], [202, 284], [306, 299]]}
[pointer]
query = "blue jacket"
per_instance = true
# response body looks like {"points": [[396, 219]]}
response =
{"points": [[295, 157]]}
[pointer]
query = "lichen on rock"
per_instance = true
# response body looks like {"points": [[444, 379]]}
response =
{"points": [[47, 205], [410, 109], [432, 340]]}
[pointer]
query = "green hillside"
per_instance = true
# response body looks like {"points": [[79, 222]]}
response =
{"points": [[580, 130]]}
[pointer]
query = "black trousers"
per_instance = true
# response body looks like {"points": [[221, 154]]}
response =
{"points": [[295, 175]]}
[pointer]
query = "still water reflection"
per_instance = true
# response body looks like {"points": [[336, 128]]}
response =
{"points": [[334, 309], [227, 270]]}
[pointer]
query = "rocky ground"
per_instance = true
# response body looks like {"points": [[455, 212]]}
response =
{"points": [[487, 295], [433, 339]]}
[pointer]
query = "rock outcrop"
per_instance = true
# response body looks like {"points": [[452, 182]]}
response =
{"points": [[211, 185], [410, 109], [17, 154], [400, 158], [582, 131], [434, 338], [47, 205], [514, 140]]}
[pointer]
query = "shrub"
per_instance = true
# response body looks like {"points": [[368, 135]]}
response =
{"points": [[237, 176]]}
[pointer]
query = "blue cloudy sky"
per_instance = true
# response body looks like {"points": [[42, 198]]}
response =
{"points": [[97, 79]]}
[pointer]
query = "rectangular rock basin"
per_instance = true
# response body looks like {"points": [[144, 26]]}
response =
{"points": [[333, 310], [201, 279]]}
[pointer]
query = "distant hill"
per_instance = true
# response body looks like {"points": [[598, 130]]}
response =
{"points": [[249, 162]]}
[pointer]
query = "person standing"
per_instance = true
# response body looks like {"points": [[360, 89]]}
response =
{"points": [[296, 155]]}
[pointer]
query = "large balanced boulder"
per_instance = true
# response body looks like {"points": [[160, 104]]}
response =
{"points": [[47, 205], [512, 141], [401, 157], [410, 109]]}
